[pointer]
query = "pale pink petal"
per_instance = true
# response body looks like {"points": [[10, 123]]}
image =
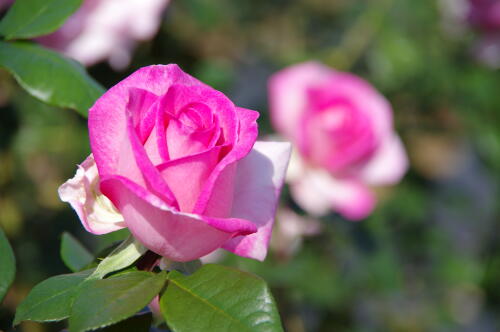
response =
{"points": [[175, 235], [288, 96], [388, 165], [109, 29], [96, 212], [220, 202], [318, 192], [259, 180]]}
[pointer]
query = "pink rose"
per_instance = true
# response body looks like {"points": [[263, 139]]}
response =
{"points": [[176, 162], [342, 130], [5, 4], [107, 29], [485, 15]]}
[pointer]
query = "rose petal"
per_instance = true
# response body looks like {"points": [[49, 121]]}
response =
{"points": [[156, 144], [96, 212], [107, 29], [148, 173], [108, 118], [139, 105], [179, 97], [366, 99], [247, 134], [175, 235], [186, 176], [318, 192], [220, 202], [388, 165], [259, 179], [288, 94]]}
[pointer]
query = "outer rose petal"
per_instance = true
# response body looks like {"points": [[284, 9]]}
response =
{"points": [[97, 213], [103, 29], [175, 235], [259, 179], [388, 165], [318, 192]]}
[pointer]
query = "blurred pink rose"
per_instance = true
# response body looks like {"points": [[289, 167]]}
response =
{"points": [[484, 15], [107, 29], [176, 162], [5, 3], [343, 133]]}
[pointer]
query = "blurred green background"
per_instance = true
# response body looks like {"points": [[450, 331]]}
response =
{"points": [[428, 259]]}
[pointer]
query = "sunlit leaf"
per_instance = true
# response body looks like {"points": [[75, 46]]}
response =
{"points": [[49, 76], [218, 298], [32, 18]]}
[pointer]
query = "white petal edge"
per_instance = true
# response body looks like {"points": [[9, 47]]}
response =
{"points": [[259, 179], [96, 212], [388, 165]]}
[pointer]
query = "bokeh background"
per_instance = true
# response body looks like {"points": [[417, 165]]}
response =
{"points": [[428, 259]]}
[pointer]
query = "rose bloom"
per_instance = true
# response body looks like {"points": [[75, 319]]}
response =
{"points": [[343, 135], [484, 15], [177, 163], [107, 29], [5, 4]]}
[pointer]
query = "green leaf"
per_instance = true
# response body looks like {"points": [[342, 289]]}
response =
{"points": [[218, 298], [49, 76], [51, 299], [184, 267], [73, 254], [123, 256], [138, 323], [7, 265], [107, 301], [32, 18]]}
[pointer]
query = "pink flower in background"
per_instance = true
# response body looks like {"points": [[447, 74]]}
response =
{"points": [[107, 29], [484, 15], [177, 163], [5, 4], [343, 135]]}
